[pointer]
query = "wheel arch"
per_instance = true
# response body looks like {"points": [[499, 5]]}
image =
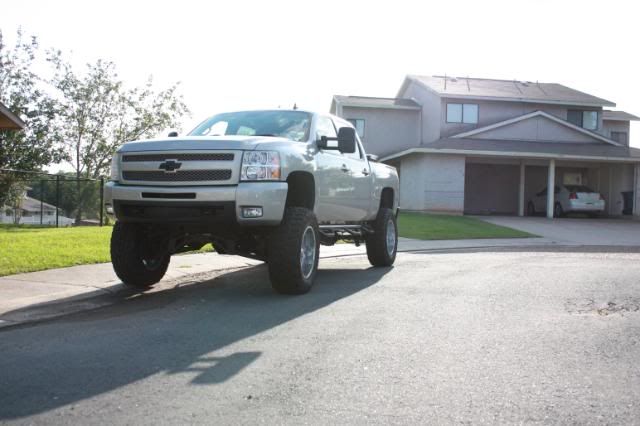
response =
{"points": [[302, 190]]}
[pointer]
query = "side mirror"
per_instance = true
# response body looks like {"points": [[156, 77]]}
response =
{"points": [[173, 134], [347, 140], [372, 157]]}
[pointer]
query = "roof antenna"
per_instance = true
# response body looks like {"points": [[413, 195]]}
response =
{"points": [[295, 106], [468, 87], [445, 81], [515, 83]]}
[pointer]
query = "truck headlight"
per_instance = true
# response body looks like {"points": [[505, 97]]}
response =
{"points": [[260, 165], [115, 168]]}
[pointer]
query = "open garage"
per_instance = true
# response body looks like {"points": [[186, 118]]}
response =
{"points": [[506, 186]]}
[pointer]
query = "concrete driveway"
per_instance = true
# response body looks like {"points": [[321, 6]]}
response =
{"points": [[575, 231]]}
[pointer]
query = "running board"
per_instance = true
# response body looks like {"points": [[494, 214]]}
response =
{"points": [[329, 234]]}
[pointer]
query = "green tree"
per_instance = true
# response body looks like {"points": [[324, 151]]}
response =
{"points": [[24, 93], [98, 113]]}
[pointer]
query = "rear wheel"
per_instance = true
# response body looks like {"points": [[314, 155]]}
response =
{"points": [[136, 260], [293, 252], [382, 245]]}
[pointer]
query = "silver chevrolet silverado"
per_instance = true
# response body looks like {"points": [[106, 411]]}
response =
{"points": [[271, 185]]}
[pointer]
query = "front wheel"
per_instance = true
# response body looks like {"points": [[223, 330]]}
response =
{"points": [[382, 245], [293, 251], [136, 260]]}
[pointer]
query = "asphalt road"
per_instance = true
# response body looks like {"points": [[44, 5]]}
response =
{"points": [[480, 337]]}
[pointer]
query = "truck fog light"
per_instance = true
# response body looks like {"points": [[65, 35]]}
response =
{"points": [[251, 212], [108, 208]]}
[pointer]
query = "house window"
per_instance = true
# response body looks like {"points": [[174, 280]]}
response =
{"points": [[620, 137], [462, 113], [358, 123], [585, 119]]}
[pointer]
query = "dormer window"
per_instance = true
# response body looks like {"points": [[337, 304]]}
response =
{"points": [[462, 113], [585, 119]]}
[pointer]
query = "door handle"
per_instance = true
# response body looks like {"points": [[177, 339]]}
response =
{"points": [[365, 172], [344, 168]]}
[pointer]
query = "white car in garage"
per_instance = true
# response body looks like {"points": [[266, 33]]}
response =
{"points": [[568, 199]]}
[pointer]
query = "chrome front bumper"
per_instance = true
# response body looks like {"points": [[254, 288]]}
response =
{"points": [[271, 196]]}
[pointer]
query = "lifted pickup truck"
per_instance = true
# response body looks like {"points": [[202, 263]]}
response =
{"points": [[271, 185]]}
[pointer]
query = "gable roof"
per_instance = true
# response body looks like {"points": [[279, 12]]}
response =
{"points": [[504, 90], [618, 116], [9, 120], [525, 149], [374, 102], [529, 116]]}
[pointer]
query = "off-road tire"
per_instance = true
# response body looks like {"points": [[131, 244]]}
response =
{"points": [[378, 250], [284, 252], [127, 260]]}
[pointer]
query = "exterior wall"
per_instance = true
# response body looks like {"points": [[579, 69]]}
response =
{"points": [[431, 111], [433, 183], [387, 131], [616, 126], [538, 129], [490, 112]]}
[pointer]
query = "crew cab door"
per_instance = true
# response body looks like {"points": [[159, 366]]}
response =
{"points": [[359, 203], [334, 184]]}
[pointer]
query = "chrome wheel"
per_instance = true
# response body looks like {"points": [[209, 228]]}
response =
{"points": [[391, 237], [308, 252]]}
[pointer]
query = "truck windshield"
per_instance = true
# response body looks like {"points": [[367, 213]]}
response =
{"points": [[292, 125]]}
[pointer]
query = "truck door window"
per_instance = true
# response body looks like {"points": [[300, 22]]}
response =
{"points": [[325, 128]]}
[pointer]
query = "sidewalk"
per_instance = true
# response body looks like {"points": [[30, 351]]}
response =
{"points": [[41, 295]]}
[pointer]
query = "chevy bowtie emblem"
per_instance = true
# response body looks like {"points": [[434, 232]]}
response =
{"points": [[170, 166]]}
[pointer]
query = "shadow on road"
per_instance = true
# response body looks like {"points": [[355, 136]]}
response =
{"points": [[64, 361]]}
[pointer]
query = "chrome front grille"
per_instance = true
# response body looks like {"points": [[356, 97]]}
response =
{"points": [[129, 158], [171, 168], [179, 176]]}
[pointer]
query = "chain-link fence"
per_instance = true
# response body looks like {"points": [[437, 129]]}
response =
{"points": [[35, 198]]}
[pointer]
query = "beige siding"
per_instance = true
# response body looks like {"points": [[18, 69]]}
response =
{"points": [[616, 126], [387, 131], [431, 114], [433, 183], [490, 112], [540, 129]]}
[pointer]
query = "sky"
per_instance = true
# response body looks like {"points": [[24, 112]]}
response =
{"points": [[231, 55]]}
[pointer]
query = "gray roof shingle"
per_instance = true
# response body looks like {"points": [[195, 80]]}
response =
{"points": [[366, 101], [618, 116], [513, 90]]}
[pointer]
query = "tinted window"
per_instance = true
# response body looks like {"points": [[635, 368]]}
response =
{"points": [[590, 120], [454, 113], [470, 113], [325, 128], [292, 125]]}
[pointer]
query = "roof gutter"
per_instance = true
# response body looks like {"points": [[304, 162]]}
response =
{"points": [[509, 154]]}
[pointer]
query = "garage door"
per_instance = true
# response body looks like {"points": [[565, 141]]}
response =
{"points": [[491, 188]]}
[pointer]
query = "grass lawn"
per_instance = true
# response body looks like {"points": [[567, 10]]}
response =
{"points": [[27, 249], [31, 248], [444, 227]]}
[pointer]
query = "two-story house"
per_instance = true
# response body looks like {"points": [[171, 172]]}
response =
{"points": [[481, 146]]}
